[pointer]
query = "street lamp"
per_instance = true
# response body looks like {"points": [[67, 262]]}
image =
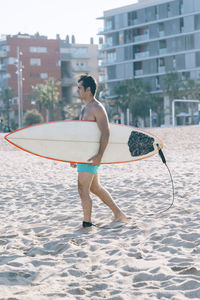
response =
{"points": [[19, 87]]}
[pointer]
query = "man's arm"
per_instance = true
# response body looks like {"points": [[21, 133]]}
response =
{"points": [[103, 124]]}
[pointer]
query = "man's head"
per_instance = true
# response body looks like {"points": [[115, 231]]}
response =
{"points": [[86, 84]]}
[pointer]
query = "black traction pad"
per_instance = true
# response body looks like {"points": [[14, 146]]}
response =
{"points": [[140, 144]]}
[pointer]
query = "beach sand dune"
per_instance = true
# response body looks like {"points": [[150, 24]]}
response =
{"points": [[44, 253]]}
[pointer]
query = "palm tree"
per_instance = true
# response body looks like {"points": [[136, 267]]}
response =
{"points": [[38, 93], [173, 89], [192, 91], [140, 100], [48, 96], [122, 97], [173, 86]]}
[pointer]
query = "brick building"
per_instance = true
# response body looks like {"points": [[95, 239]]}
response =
{"points": [[40, 58], [43, 58]]}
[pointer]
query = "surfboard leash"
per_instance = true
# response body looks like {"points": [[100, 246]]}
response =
{"points": [[161, 154]]}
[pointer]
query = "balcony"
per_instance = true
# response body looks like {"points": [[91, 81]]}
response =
{"points": [[65, 56], [163, 51], [3, 53], [101, 69], [103, 78], [139, 38], [161, 69], [139, 72], [108, 45], [108, 61], [102, 31], [100, 55], [2, 67], [68, 81], [81, 68], [80, 55], [141, 55], [161, 33]]}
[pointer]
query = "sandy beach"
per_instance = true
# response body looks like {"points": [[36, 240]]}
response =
{"points": [[45, 255]]}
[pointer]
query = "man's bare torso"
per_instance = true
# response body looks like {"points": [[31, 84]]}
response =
{"points": [[89, 111]]}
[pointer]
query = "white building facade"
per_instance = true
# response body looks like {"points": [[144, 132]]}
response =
{"points": [[149, 39]]}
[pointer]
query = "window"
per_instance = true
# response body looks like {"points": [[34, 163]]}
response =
{"points": [[157, 83], [109, 24], [132, 18], [58, 63], [197, 22], [156, 12], [169, 12], [185, 75], [34, 75], [35, 62], [181, 25], [128, 53], [197, 59], [161, 62], [189, 42], [38, 49], [12, 60], [180, 7], [161, 65], [129, 36], [43, 75], [138, 68], [111, 72], [174, 62], [111, 57], [161, 28], [138, 65], [109, 41], [162, 44], [121, 37], [7, 75], [5, 48]]}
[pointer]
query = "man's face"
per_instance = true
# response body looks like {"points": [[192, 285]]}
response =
{"points": [[81, 92]]}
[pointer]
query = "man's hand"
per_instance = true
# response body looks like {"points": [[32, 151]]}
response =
{"points": [[73, 165], [96, 160]]}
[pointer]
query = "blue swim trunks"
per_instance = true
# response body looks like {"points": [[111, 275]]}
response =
{"points": [[87, 168]]}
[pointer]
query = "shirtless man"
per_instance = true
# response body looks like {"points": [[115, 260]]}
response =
{"points": [[88, 180]]}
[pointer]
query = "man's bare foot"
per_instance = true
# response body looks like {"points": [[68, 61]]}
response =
{"points": [[120, 218]]}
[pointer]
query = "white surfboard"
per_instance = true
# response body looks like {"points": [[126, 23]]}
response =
{"points": [[78, 141]]}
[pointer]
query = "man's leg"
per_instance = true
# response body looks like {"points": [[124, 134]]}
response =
{"points": [[84, 183], [100, 192]]}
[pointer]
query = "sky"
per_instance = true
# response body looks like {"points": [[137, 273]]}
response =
{"points": [[51, 17]]}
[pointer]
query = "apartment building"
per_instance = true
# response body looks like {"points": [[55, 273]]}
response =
{"points": [[76, 59], [39, 60], [148, 39], [42, 58]]}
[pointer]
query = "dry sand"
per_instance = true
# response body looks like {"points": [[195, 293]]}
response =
{"points": [[45, 255]]}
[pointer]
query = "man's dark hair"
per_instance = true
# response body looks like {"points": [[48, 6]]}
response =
{"points": [[88, 81]]}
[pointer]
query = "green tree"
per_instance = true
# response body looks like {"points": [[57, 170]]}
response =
{"points": [[192, 91], [141, 100], [7, 94], [135, 95], [32, 117], [122, 96], [47, 96], [173, 86]]}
